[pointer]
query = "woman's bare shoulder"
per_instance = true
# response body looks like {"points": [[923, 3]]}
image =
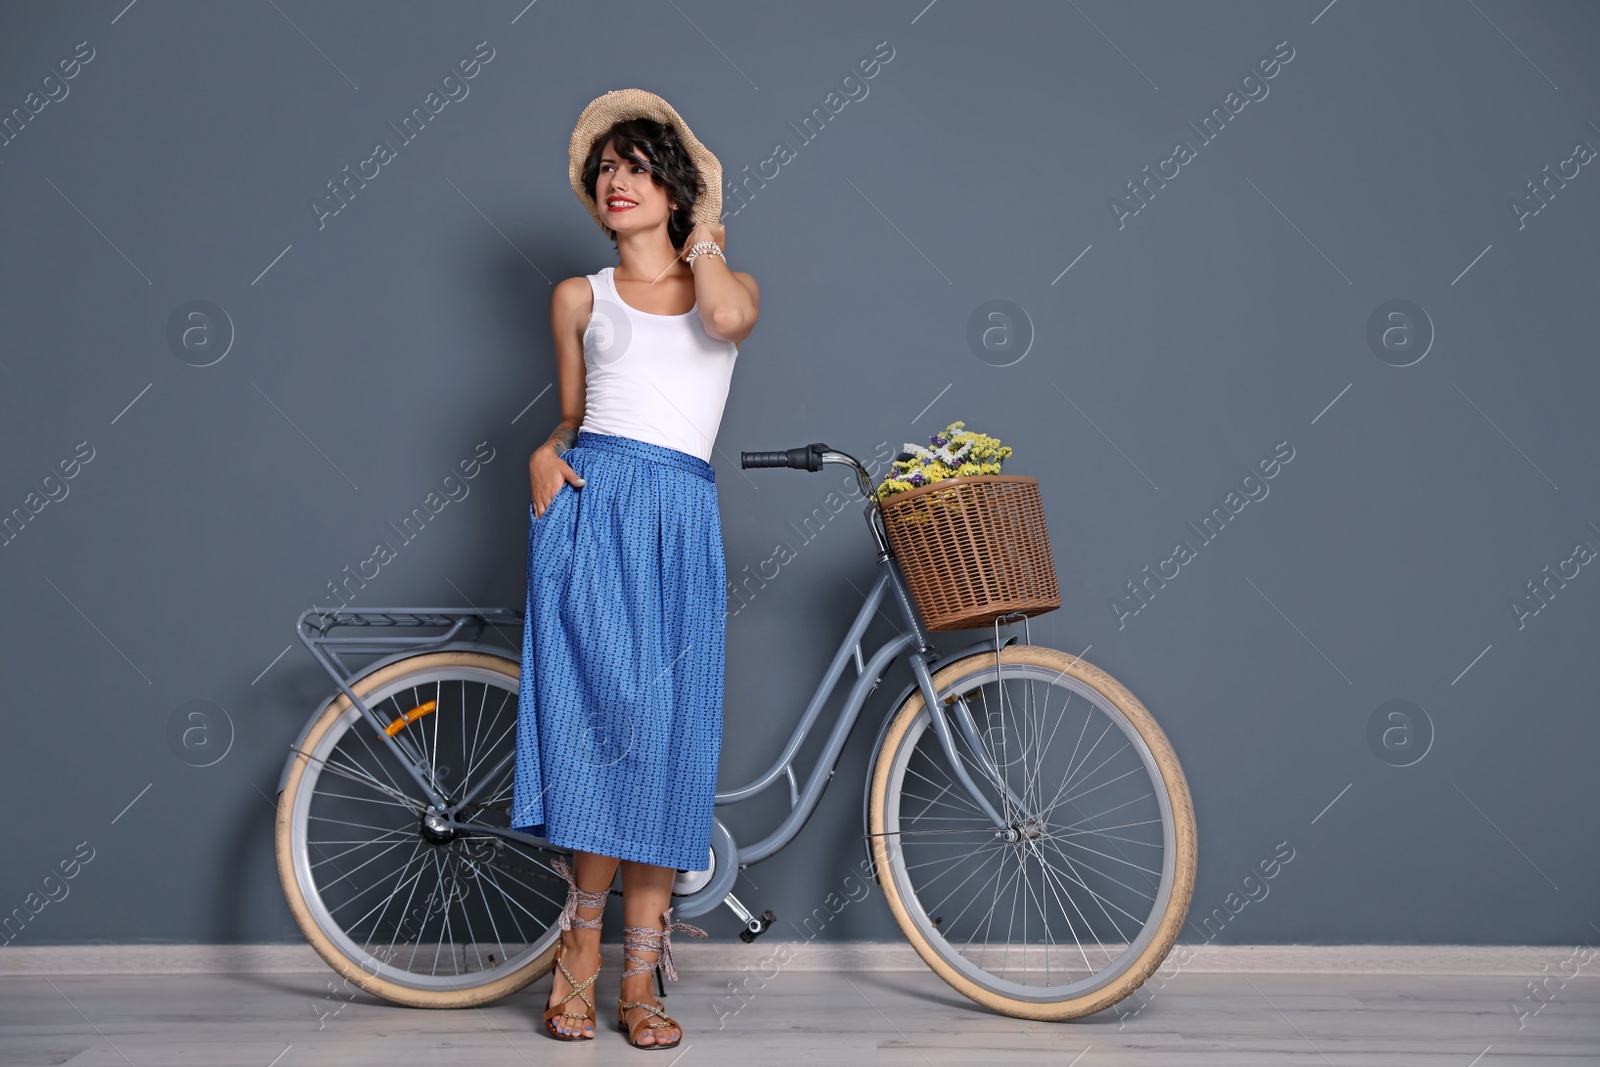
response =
{"points": [[570, 306], [571, 293]]}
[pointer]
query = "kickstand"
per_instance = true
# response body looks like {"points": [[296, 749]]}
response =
{"points": [[661, 987]]}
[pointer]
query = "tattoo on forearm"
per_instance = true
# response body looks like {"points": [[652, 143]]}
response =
{"points": [[563, 438]]}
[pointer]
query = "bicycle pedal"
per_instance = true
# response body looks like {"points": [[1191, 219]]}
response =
{"points": [[757, 926]]}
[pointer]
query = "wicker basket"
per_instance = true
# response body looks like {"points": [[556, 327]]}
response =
{"points": [[973, 549]]}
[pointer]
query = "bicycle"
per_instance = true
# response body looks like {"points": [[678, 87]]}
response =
{"points": [[396, 855]]}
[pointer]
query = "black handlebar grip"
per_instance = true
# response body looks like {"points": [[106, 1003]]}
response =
{"points": [[806, 458]]}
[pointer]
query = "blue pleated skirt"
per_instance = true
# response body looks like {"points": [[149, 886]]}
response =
{"points": [[619, 721]]}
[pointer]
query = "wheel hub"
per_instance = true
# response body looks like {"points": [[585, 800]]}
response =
{"points": [[437, 830], [1029, 830]]}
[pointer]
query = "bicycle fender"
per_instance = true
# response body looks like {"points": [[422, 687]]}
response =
{"points": [[376, 665], [883, 728]]}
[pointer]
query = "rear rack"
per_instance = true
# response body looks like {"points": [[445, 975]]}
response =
{"points": [[381, 630], [392, 632]]}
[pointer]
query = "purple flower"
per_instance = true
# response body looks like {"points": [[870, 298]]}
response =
{"points": [[916, 479]]}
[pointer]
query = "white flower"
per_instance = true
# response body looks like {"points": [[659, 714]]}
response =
{"points": [[942, 453]]}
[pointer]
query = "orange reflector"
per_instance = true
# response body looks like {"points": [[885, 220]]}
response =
{"points": [[411, 716]]}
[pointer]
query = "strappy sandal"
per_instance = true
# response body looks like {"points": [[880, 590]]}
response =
{"points": [[648, 939], [576, 898]]}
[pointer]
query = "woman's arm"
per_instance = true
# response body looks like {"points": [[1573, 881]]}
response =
{"points": [[729, 301], [570, 306]]}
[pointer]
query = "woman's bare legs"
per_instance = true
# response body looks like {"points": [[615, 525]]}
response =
{"points": [[580, 948], [646, 893]]}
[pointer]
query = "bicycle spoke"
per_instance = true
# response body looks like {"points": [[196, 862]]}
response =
{"points": [[367, 800], [444, 911], [1118, 826], [934, 800], [1072, 771], [475, 764], [975, 898], [988, 921], [346, 875], [1044, 749], [951, 863], [457, 861], [513, 900], [357, 846], [1044, 922], [1129, 840], [928, 813], [998, 853], [477, 877], [1072, 776], [399, 880], [1078, 880], [488, 876], [1058, 891], [1107, 855], [1100, 902], [353, 897], [1107, 811], [356, 774], [405, 909], [357, 825], [1102, 785], [361, 735], [957, 795], [471, 749]]}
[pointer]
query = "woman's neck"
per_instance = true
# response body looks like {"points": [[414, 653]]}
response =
{"points": [[647, 256]]}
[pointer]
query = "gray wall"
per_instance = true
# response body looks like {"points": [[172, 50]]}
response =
{"points": [[1187, 341]]}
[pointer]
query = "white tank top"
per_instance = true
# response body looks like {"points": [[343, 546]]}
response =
{"points": [[656, 378]]}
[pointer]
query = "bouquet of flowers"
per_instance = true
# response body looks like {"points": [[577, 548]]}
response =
{"points": [[953, 452]]}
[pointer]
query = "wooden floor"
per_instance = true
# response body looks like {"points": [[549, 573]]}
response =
{"points": [[807, 1017]]}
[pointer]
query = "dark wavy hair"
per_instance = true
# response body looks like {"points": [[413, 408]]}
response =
{"points": [[670, 168]]}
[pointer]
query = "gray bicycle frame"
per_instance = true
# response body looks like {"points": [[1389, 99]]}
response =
{"points": [[327, 650], [802, 802]]}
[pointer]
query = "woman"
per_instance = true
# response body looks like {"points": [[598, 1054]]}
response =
{"points": [[620, 718]]}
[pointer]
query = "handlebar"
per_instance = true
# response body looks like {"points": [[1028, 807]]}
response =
{"points": [[804, 458], [812, 457]]}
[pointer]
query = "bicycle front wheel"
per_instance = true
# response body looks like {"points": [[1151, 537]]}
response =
{"points": [[423, 916], [1073, 908]]}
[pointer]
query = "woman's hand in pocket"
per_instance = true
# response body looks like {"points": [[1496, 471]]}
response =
{"points": [[548, 472]]}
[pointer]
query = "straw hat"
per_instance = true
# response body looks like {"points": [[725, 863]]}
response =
{"points": [[620, 104]]}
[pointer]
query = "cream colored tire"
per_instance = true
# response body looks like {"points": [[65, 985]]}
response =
{"points": [[1159, 932], [339, 715]]}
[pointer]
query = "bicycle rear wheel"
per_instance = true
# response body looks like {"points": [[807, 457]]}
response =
{"points": [[1083, 905], [419, 917]]}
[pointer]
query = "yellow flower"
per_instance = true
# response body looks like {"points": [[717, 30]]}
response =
{"points": [[984, 455]]}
